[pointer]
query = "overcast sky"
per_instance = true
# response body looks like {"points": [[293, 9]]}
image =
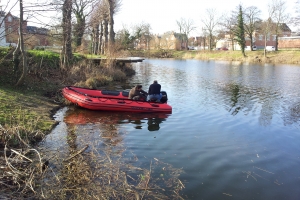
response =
{"points": [[163, 14]]}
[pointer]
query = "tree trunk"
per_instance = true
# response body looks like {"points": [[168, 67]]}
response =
{"points": [[251, 42], [16, 59], [232, 43], [210, 41], [21, 42], [105, 36], [66, 54], [265, 50], [100, 39], [276, 44], [111, 22], [79, 31], [96, 39]]}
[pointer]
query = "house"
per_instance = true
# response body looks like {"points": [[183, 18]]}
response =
{"points": [[3, 40], [170, 40], [258, 39], [2, 29], [33, 36], [37, 36], [201, 43], [12, 28]]}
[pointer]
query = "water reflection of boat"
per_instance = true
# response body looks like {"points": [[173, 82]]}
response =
{"points": [[81, 116], [112, 100]]}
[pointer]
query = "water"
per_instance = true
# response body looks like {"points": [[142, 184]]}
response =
{"points": [[234, 129]]}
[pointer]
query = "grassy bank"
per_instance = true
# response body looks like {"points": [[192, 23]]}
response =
{"points": [[26, 111], [32, 104], [276, 57]]}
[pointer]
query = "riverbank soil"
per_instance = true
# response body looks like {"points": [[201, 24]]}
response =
{"points": [[26, 112]]}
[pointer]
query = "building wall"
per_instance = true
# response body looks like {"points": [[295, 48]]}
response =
{"points": [[12, 28], [30, 40], [289, 42], [2, 32], [33, 40], [259, 41]]}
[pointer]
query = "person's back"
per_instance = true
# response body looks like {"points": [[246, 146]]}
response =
{"points": [[154, 91], [154, 88]]}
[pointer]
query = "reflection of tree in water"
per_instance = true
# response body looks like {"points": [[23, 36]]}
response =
{"points": [[243, 99], [100, 167], [238, 98], [267, 112], [292, 115], [71, 137], [235, 89]]}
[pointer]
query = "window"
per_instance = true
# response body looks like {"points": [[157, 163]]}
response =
{"points": [[9, 30], [260, 37], [9, 19], [274, 37]]}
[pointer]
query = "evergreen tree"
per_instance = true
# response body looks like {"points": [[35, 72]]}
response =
{"points": [[240, 31]]}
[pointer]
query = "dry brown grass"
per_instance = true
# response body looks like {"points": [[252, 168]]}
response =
{"points": [[88, 172], [276, 57], [91, 172], [19, 170]]}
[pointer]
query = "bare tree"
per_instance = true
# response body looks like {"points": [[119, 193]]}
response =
{"points": [[279, 17], [210, 22], [266, 27], [81, 9], [113, 7], [66, 54], [21, 46], [229, 22], [124, 38], [251, 19], [141, 33], [95, 25], [296, 19], [102, 21], [186, 26], [203, 38]]}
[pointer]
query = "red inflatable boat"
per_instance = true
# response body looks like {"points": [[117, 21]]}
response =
{"points": [[112, 100]]}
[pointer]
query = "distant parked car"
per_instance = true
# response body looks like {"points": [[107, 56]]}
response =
{"points": [[191, 48], [224, 48], [247, 48], [270, 48]]}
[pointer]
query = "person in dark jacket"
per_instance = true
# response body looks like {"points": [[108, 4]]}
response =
{"points": [[154, 92], [137, 93]]}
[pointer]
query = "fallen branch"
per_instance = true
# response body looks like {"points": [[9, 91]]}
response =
{"points": [[79, 152], [20, 155]]}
